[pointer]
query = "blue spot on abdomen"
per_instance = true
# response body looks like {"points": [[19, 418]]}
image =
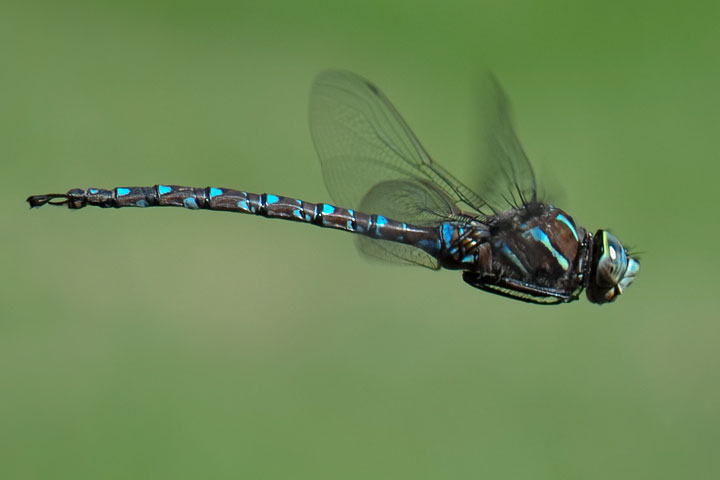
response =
{"points": [[122, 191], [190, 203], [380, 222], [429, 246], [349, 223], [243, 205], [325, 210], [447, 233], [163, 189]]}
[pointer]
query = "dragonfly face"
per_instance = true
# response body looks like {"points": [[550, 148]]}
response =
{"points": [[612, 270]]}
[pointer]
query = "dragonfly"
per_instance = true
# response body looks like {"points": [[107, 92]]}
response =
{"points": [[405, 208]]}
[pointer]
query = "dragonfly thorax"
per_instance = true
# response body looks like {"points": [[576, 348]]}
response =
{"points": [[534, 250]]}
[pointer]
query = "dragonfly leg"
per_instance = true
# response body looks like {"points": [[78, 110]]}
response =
{"points": [[527, 292]]}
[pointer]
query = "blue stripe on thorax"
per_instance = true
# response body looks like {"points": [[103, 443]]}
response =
{"points": [[569, 224], [505, 250], [540, 236]]}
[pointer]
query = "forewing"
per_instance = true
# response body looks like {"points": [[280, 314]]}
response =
{"points": [[362, 141], [503, 174]]}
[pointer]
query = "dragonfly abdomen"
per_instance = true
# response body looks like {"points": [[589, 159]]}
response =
{"points": [[264, 204], [465, 246]]}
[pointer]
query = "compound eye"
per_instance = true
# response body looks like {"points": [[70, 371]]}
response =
{"points": [[612, 262], [612, 271]]}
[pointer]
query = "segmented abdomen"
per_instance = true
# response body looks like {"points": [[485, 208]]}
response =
{"points": [[265, 204]]}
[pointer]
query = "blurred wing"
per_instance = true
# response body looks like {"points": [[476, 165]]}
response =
{"points": [[373, 162], [504, 175], [395, 253], [363, 141], [413, 202]]}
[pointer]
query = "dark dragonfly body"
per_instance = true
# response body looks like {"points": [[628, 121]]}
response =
{"points": [[409, 208]]}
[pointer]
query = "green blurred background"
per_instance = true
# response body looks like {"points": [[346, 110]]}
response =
{"points": [[164, 343]]}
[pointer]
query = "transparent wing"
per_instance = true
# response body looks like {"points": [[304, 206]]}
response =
{"points": [[395, 253], [362, 141], [373, 162], [413, 202], [503, 175]]}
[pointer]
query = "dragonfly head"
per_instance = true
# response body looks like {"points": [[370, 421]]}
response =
{"points": [[611, 270]]}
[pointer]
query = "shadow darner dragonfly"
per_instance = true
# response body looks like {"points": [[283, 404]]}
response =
{"points": [[405, 208]]}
